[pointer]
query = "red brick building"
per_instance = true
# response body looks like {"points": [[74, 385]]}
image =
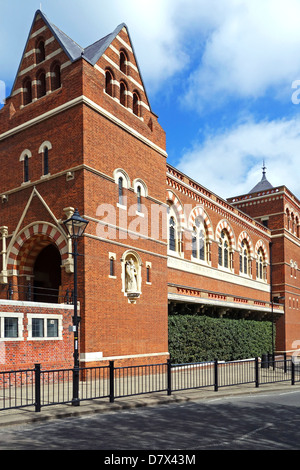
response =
{"points": [[78, 131]]}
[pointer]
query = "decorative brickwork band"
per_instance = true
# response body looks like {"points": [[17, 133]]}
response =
{"points": [[223, 224], [260, 244], [244, 236], [171, 197], [200, 212]]}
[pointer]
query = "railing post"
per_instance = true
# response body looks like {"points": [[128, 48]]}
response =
{"points": [[111, 382], [285, 363], [75, 399], [256, 373], [169, 377], [293, 371], [37, 382], [216, 375]]}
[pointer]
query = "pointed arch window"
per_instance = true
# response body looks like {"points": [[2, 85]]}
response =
{"points": [[123, 94], [109, 83], [41, 84], [136, 104], [55, 77], [123, 62], [40, 52], [27, 91]]}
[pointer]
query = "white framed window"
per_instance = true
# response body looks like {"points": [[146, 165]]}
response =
{"points": [[199, 242], [44, 150], [174, 233], [261, 267], [44, 327], [11, 326], [245, 260], [123, 182], [223, 250]]}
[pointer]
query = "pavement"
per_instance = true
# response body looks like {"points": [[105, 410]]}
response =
{"points": [[23, 416]]}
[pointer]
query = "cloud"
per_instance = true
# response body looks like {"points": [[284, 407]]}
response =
{"points": [[151, 26], [229, 162], [253, 48], [235, 48]]}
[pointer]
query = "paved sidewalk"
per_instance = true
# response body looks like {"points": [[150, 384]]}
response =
{"points": [[28, 415]]}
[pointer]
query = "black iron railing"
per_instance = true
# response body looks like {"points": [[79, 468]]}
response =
{"points": [[32, 293], [40, 388]]}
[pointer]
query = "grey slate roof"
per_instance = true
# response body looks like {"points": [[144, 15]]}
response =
{"points": [[91, 53], [263, 185]]}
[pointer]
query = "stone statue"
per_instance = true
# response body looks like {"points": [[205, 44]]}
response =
{"points": [[131, 276]]}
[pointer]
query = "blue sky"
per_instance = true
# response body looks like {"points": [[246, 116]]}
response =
{"points": [[222, 75]]}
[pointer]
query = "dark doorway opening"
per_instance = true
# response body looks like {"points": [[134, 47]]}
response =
{"points": [[47, 275]]}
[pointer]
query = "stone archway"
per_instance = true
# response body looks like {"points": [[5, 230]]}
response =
{"points": [[27, 256]]}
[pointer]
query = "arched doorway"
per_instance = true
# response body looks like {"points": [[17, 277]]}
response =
{"points": [[47, 275]]}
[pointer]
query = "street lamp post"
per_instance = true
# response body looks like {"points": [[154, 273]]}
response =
{"points": [[75, 227]]}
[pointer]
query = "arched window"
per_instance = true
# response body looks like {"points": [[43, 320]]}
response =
{"points": [[123, 94], [44, 151], [120, 187], [174, 230], [123, 62], [55, 77], [136, 104], [24, 157], [111, 266], [139, 198], [288, 220], [223, 250], [172, 234], [40, 52], [199, 240], [244, 258], [27, 91], [46, 160], [260, 264], [26, 168], [41, 84], [109, 83]]}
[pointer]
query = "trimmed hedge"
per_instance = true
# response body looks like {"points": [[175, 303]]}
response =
{"points": [[200, 338]]}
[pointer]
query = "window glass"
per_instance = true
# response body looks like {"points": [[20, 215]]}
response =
{"points": [[37, 327], [52, 328], [172, 239], [10, 327]]}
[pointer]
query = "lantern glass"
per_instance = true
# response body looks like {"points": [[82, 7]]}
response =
{"points": [[76, 225]]}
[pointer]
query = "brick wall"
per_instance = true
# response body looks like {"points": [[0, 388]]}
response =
{"points": [[24, 352]]}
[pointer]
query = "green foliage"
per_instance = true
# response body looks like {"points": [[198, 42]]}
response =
{"points": [[200, 338]]}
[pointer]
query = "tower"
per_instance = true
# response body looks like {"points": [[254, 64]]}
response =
{"points": [[78, 131], [278, 209]]}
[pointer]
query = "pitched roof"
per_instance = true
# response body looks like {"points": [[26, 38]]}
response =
{"points": [[91, 53], [263, 185]]}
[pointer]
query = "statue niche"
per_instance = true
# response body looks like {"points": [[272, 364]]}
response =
{"points": [[132, 276]]}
